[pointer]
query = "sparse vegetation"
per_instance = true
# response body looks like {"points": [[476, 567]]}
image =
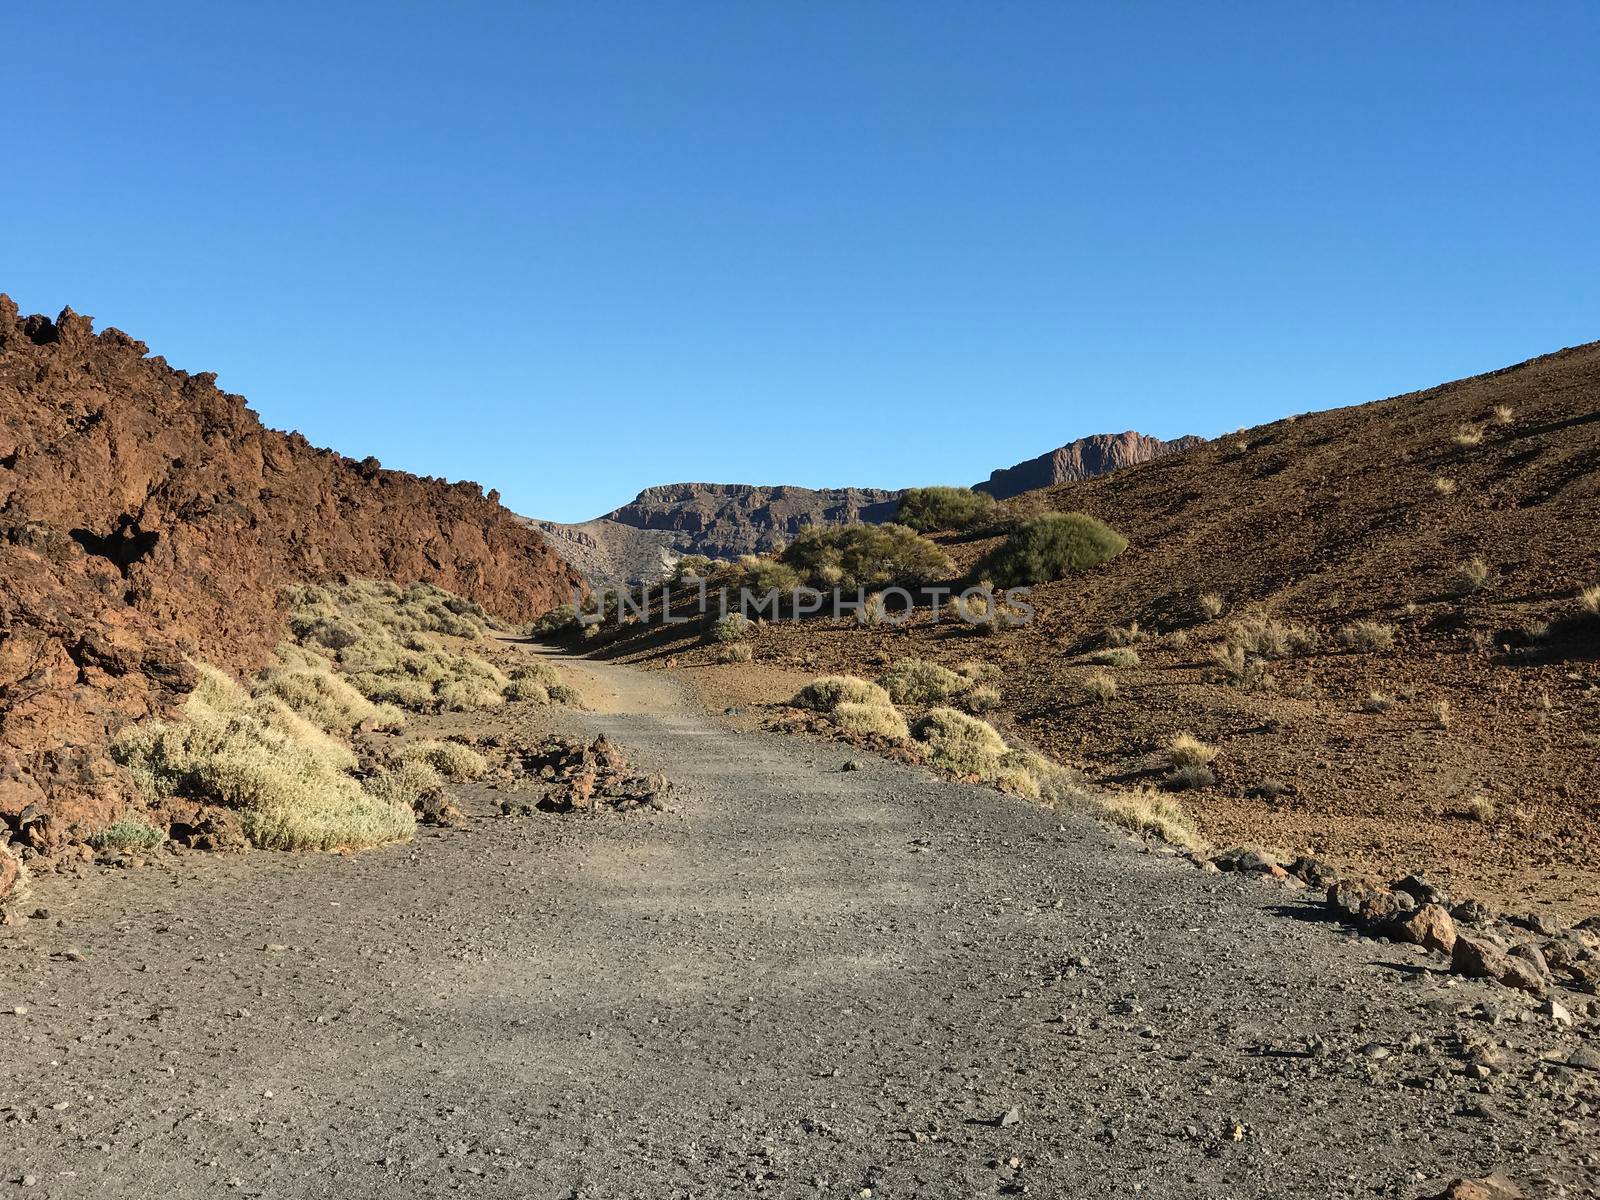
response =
{"points": [[830, 691], [928, 508], [1098, 686], [866, 556], [1049, 547], [980, 698], [980, 672], [1480, 809], [384, 648], [964, 745], [870, 720], [1469, 435], [451, 760], [1589, 600], [1444, 486], [1121, 657], [129, 833], [1377, 702], [732, 627], [1504, 414], [1151, 814], [1240, 667], [292, 782], [1188, 778], [916, 681], [1471, 576], [1186, 750], [558, 622], [1210, 605], [1125, 635], [1366, 636], [1443, 715], [1265, 637], [734, 652]]}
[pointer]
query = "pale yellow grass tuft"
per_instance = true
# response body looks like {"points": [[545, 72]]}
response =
{"points": [[1186, 750], [1151, 814]]}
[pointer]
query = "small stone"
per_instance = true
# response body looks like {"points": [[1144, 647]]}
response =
{"points": [[1012, 1116], [1556, 1012], [850, 764]]}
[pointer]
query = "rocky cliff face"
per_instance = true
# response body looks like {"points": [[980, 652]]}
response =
{"points": [[147, 518], [724, 520], [1082, 459]]}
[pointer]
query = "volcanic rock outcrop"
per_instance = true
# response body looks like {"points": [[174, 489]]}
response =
{"points": [[1082, 459], [148, 519]]}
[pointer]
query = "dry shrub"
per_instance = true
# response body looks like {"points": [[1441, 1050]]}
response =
{"points": [[961, 744], [988, 673], [1186, 750], [1154, 815], [1121, 656], [870, 720], [1366, 636], [917, 681], [1445, 487], [1188, 778], [292, 783], [1471, 576], [1480, 809], [1589, 600], [734, 652], [451, 759], [306, 683], [1098, 686], [407, 784], [827, 693], [1210, 605], [129, 833], [1442, 713], [1124, 635], [1469, 435], [1377, 702], [528, 691], [1245, 670], [980, 699], [733, 627], [1504, 414], [1269, 638]]}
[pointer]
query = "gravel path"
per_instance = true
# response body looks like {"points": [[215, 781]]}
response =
{"points": [[801, 982]]}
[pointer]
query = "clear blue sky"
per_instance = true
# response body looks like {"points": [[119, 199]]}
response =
{"points": [[570, 250]]}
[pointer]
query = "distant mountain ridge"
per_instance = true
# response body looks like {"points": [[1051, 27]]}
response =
{"points": [[641, 539], [1082, 459]]}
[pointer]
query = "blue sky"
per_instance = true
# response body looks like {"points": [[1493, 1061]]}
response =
{"points": [[571, 250]]}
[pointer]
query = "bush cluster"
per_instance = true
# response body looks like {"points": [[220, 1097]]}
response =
{"points": [[1049, 547], [928, 508]]}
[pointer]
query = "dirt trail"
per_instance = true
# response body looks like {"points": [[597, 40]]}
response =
{"points": [[802, 982]]}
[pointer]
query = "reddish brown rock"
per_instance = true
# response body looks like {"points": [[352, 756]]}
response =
{"points": [[1495, 1187], [147, 518], [1429, 926]]}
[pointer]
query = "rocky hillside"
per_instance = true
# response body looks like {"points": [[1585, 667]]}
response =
{"points": [[148, 519], [1379, 618], [1082, 459]]}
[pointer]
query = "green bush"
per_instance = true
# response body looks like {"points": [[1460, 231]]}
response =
{"points": [[928, 508], [1045, 548], [558, 622], [128, 834], [866, 556]]}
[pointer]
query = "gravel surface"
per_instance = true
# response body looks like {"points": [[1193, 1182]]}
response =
{"points": [[799, 982]]}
